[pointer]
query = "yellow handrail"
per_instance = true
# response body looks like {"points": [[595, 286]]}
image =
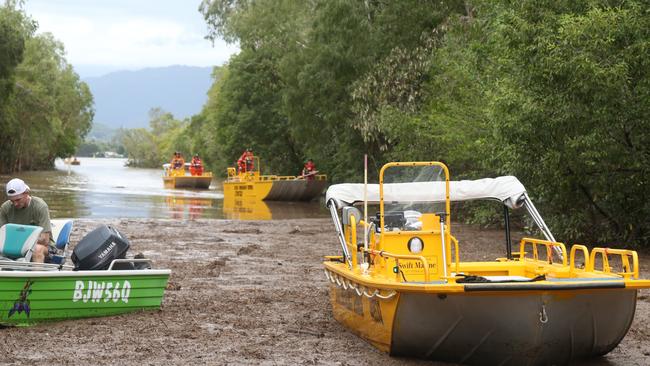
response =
{"points": [[422, 259], [572, 260], [625, 260], [549, 249], [353, 240], [455, 252]]}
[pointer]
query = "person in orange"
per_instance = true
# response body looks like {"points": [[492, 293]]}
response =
{"points": [[245, 161], [177, 161], [241, 165], [196, 166], [177, 165], [309, 170]]}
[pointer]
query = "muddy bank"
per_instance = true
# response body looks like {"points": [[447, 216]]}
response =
{"points": [[249, 292]]}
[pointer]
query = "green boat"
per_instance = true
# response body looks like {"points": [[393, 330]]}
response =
{"points": [[32, 293]]}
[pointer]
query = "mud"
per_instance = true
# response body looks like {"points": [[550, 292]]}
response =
{"points": [[245, 292]]}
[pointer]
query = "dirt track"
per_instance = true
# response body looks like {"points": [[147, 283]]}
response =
{"points": [[244, 293]]}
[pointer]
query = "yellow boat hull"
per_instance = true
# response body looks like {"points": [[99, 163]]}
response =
{"points": [[247, 190], [188, 181], [541, 323], [274, 190]]}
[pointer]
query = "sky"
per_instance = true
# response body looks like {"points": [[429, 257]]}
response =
{"points": [[101, 36]]}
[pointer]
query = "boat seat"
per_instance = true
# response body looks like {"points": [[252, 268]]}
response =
{"points": [[61, 230], [17, 241]]}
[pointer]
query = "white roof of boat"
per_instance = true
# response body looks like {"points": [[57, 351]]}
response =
{"points": [[507, 189]]}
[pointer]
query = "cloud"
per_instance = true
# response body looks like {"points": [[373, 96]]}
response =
{"points": [[133, 41]]}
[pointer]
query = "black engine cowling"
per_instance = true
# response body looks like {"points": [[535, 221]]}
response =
{"points": [[99, 248]]}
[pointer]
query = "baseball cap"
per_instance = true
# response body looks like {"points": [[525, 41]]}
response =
{"points": [[16, 187]]}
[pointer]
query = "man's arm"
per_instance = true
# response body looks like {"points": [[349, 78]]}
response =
{"points": [[4, 220], [44, 222], [44, 238]]}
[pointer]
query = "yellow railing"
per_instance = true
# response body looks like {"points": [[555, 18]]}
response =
{"points": [[535, 243], [250, 176], [352, 240], [397, 257], [629, 258], [572, 258], [628, 270], [268, 177], [456, 254]]}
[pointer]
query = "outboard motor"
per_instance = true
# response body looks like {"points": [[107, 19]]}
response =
{"points": [[99, 248]]}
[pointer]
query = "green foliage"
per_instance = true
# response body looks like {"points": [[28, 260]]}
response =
{"points": [[554, 92], [47, 110], [571, 114], [141, 148], [95, 148], [288, 94], [15, 28], [150, 148]]}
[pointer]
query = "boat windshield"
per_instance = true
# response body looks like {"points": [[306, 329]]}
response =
{"points": [[403, 200]]}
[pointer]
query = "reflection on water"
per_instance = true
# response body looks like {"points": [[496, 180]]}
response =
{"points": [[188, 207], [105, 188], [246, 209], [251, 209]]}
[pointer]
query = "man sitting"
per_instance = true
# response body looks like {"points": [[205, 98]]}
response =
{"points": [[24, 209]]}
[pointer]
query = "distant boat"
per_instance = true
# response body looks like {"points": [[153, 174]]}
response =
{"points": [[251, 184], [71, 161], [178, 178]]}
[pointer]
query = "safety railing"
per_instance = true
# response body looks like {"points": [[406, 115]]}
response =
{"points": [[629, 269], [130, 260], [572, 258], [268, 177], [456, 252], [7, 264], [536, 243], [351, 241], [299, 177], [232, 173], [399, 257]]}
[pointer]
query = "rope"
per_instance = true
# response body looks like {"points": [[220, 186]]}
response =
{"points": [[358, 289]]}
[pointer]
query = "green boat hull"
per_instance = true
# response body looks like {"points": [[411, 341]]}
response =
{"points": [[31, 297]]}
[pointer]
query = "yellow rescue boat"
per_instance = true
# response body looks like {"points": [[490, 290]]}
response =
{"points": [[405, 289], [180, 178], [250, 184]]}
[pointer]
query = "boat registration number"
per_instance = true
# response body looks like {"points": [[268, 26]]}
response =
{"points": [[100, 291]]}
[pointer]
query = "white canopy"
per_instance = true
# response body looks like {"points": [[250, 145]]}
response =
{"points": [[506, 189]]}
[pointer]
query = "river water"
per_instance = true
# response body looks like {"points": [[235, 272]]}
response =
{"points": [[105, 188]]}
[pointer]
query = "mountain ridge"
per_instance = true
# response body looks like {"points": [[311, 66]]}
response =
{"points": [[123, 98]]}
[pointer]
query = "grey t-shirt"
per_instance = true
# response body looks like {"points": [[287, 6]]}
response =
{"points": [[36, 213]]}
